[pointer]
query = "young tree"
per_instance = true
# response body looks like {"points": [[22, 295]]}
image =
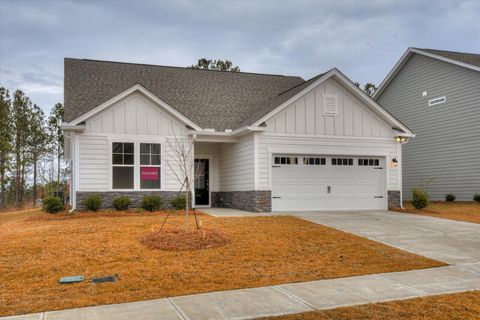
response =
{"points": [[181, 165], [220, 65], [37, 143], [56, 135], [5, 143]]}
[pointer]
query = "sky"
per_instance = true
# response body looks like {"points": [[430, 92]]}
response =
{"points": [[363, 39]]}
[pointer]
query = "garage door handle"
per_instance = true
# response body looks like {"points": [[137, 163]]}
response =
{"points": [[276, 197], [276, 166], [329, 189], [378, 168], [378, 197]]}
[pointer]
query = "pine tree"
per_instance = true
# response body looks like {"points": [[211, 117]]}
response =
{"points": [[5, 143], [37, 142], [20, 126], [56, 135]]}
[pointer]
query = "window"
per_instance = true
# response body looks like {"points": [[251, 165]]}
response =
{"points": [[433, 102], [314, 161], [286, 160], [122, 165], [342, 162], [150, 162], [368, 162]]}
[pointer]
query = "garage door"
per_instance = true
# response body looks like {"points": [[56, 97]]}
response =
{"points": [[305, 182]]}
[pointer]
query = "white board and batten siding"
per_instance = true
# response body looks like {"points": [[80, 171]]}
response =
{"points": [[308, 127], [133, 119]]}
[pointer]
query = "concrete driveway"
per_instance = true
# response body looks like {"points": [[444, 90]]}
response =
{"points": [[450, 241]]}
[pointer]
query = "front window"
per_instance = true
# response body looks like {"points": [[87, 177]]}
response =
{"points": [[150, 165], [122, 165]]}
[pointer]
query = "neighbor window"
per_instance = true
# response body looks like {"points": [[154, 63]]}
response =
{"points": [[150, 165], [122, 165]]}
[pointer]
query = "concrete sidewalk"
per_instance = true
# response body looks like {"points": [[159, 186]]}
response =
{"points": [[283, 299], [454, 242]]}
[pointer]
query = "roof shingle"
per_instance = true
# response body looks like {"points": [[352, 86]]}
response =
{"points": [[468, 58], [211, 99]]}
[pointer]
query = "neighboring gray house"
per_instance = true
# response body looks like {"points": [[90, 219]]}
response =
{"points": [[264, 142], [437, 94]]}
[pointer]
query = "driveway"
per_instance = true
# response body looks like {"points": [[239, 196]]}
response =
{"points": [[453, 242]]}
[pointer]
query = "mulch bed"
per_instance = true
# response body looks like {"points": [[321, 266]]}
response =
{"points": [[181, 240], [105, 213]]}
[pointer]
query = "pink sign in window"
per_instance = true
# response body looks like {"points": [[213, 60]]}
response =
{"points": [[149, 173]]}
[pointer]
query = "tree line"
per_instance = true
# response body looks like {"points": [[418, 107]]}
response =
{"points": [[31, 147]]}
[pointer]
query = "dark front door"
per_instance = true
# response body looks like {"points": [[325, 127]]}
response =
{"points": [[202, 191]]}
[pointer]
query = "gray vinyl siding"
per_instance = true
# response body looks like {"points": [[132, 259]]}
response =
{"points": [[447, 143]]}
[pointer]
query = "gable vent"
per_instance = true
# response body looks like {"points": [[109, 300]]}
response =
{"points": [[330, 105], [433, 102]]}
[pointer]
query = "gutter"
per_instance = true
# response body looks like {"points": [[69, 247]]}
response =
{"points": [[234, 133]]}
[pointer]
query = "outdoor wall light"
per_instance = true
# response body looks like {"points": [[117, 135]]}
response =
{"points": [[394, 163], [401, 139]]}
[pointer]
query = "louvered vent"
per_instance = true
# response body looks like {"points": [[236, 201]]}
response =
{"points": [[330, 105], [433, 102]]}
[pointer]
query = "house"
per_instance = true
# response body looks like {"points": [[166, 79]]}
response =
{"points": [[437, 94], [264, 142]]}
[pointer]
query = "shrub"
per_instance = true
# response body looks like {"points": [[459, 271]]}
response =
{"points": [[121, 203], [476, 197], [151, 203], [52, 204], [419, 198], [179, 203], [450, 197], [92, 203]]}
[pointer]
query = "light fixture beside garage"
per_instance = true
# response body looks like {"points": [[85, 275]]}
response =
{"points": [[394, 163]]}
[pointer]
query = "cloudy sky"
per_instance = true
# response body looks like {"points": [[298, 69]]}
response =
{"points": [[364, 39]]}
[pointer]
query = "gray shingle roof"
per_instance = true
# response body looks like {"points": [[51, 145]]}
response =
{"points": [[211, 99], [469, 58]]}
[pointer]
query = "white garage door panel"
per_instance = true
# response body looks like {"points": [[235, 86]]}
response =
{"points": [[306, 187]]}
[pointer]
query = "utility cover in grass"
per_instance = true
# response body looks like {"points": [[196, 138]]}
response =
{"points": [[71, 279], [105, 279]]}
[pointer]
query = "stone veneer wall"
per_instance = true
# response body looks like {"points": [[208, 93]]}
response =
{"points": [[135, 196], [254, 201], [394, 199]]}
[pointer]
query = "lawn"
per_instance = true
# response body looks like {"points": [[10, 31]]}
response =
{"points": [[459, 306], [463, 211], [262, 251]]}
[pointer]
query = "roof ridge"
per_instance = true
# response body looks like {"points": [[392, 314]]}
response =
{"points": [[306, 81], [185, 68]]}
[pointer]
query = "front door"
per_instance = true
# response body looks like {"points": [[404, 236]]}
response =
{"points": [[202, 191]]}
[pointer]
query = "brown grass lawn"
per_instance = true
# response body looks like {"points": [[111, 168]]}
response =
{"points": [[459, 306], [34, 254], [18, 215], [463, 211]]}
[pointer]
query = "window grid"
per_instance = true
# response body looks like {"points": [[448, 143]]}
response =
{"points": [[150, 157], [369, 162], [314, 161], [342, 162], [286, 160]]}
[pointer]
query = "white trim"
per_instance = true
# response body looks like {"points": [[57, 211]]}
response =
{"points": [[435, 101], [404, 58], [126, 93], [255, 161], [353, 88], [73, 128]]}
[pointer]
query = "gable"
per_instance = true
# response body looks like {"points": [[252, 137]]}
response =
{"points": [[309, 114], [134, 114]]}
